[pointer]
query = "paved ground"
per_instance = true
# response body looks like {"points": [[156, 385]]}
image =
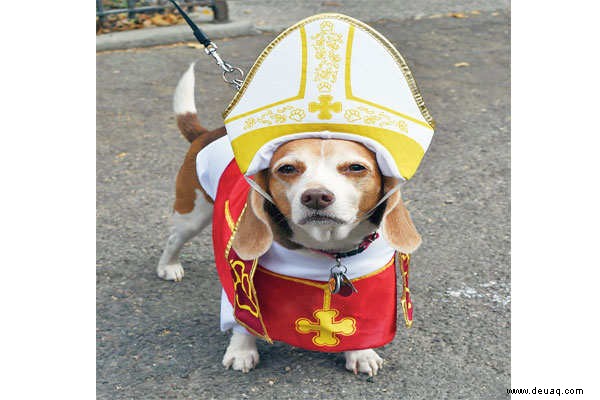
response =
{"points": [[262, 14], [159, 340]]}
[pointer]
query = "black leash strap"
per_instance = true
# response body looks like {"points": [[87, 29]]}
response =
{"points": [[229, 71]]}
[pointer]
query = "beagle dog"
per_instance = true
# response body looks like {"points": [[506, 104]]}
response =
{"points": [[321, 191]]}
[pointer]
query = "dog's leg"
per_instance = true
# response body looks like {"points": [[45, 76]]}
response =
{"points": [[185, 227], [365, 361], [241, 354]]}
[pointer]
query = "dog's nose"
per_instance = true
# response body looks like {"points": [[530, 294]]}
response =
{"points": [[317, 199]]}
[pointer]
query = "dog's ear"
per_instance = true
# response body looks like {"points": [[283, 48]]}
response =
{"points": [[254, 236], [396, 226]]}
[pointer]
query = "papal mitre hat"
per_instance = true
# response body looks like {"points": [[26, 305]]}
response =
{"points": [[330, 76]]}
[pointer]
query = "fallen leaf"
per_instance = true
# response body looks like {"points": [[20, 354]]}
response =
{"points": [[195, 45], [171, 18], [458, 15], [462, 64], [475, 12], [158, 20], [121, 155]]}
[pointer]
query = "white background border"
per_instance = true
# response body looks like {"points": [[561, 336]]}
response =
{"points": [[48, 203]]}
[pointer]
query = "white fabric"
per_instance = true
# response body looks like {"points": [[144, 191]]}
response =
{"points": [[307, 264], [269, 74], [211, 161]]}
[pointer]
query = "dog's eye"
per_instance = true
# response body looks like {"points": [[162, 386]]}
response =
{"points": [[356, 168], [287, 169]]}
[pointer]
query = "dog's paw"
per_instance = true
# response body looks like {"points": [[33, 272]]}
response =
{"points": [[365, 361], [170, 272], [241, 354]]}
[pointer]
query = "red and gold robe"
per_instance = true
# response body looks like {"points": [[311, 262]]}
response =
{"points": [[302, 312]]}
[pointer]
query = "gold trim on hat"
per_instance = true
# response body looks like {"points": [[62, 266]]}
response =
{"points": [[376, 35], [407, 156]]}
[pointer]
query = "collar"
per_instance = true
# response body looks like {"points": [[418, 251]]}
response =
{"points": [[362, 246]]}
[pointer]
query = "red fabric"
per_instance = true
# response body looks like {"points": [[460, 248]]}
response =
{"points": [[300, 312], [296, 311]]}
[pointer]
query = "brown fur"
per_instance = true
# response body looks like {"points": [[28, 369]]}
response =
{"points": [[189, 126], [254, 235], [397, 226], [187, 178], [367, 182]]}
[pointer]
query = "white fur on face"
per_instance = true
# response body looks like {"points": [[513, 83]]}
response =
{"points": [[322, 172]]}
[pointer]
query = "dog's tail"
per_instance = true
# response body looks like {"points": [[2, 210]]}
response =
{"points": [[185, 107]]}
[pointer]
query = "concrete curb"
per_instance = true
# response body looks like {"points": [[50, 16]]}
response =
{"points": [[171, 34]]}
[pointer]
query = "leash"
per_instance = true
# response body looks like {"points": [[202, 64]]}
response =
{"points": [[234, 76]]}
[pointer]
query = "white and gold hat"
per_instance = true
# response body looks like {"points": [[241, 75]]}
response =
{"points": [[330, 76]]}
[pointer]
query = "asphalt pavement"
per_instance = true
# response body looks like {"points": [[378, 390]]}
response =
{"points": [[161, 340]]}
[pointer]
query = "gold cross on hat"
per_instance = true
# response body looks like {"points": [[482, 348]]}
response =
{"points": [[325, 106]]}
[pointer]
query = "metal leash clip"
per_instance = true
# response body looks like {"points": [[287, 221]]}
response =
{"points": [[211, 49], [227, 68]]}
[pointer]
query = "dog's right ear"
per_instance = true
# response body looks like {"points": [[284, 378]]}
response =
{"points": [[254, 235]]}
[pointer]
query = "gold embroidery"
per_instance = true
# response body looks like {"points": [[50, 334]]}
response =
{"points": [[405, 258], [253, 298], [326, 44], [278, 116], [373, 117], [243, 280], [228, 216]]}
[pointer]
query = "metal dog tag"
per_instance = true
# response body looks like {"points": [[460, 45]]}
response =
{"points": [[339, 283], [335, 283], [347, 287]]}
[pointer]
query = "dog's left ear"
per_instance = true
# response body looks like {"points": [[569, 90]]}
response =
{"points": [[396, 226], [254, 235]]}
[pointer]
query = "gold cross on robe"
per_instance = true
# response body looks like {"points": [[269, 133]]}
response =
{"points": [[326, 327]]}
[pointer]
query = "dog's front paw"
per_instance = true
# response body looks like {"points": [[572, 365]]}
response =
{"points": [[170, 272], [241, 354], [365, 361]]}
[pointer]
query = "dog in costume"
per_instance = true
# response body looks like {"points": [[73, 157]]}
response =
{"points": [[302, 189]]}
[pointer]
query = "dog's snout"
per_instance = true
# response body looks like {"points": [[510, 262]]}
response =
{"points": [[317, 199]]}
